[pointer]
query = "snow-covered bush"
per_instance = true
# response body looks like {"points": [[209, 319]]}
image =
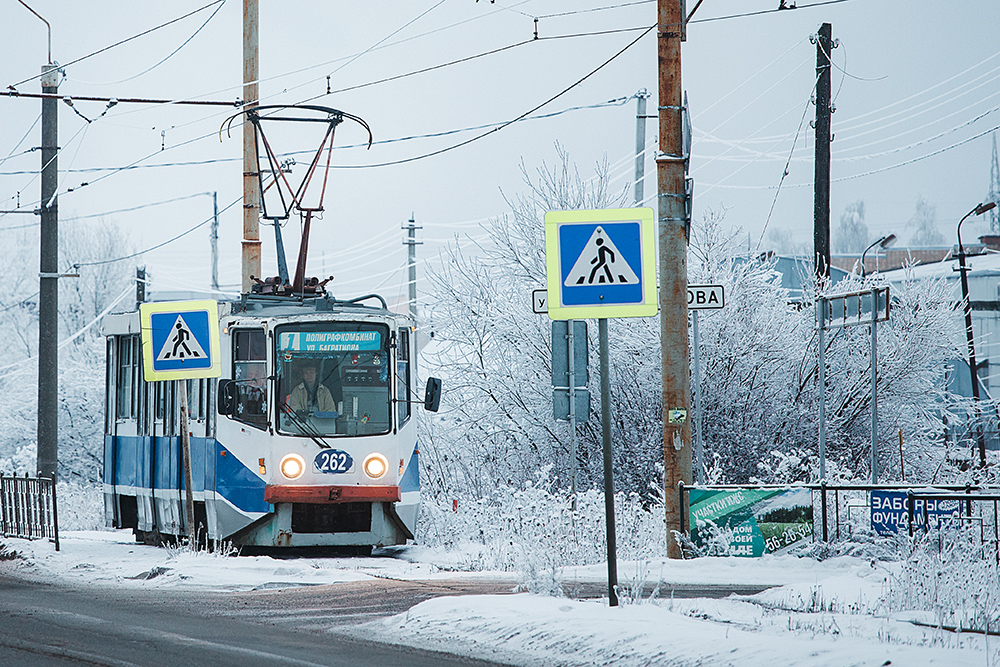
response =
{"points": [[952, 576], [535, 530]]}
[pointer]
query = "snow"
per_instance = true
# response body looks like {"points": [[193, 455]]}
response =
{"points": [[816, 613]]}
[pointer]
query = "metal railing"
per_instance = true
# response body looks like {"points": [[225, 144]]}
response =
{"points": [[28, 508]]}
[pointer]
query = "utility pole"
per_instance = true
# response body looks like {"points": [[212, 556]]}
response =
{"points": [[251, 194], [994, 193], [821, 199], [48, 279], [214, 238], [412, 242], [672, 221], [640, 144]]}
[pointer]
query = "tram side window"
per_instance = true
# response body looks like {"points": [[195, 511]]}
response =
{"points": [[128, 359], [403, 377], [250, 371]]}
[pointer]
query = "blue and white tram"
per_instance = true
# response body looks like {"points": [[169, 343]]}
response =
{"points": [[306, 440]]}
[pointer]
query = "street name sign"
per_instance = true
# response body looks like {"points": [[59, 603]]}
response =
{"points": [[706, 297], [601, 263], [180, 340]]}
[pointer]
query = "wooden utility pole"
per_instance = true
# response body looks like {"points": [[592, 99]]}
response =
{"points": [[251, 194], [671, 225], [821, 199]]}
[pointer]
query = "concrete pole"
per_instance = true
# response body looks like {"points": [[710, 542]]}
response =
{"points": [[214, 238], [251, 193], [640, 144], [48, 290], [673, 267], [412, 243]]}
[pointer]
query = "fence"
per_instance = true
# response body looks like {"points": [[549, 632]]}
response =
{"points": [[843, 508], [28, 508]]}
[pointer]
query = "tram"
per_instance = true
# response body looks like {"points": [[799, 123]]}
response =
{"points": [[307, 439]]}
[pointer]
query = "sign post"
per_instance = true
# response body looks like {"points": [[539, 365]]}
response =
{"points": [[845, 310], [601, 263], [180, 341], [701, 297]]}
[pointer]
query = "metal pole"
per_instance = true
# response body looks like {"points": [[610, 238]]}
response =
{"points": [[821, 198], [186, 453], [874, 356], [609, 482], [251, 193], [699, 442], [640, 144], [214, 238], [48, 288], [571, 384], [821, 372], [672, 222], [967, 307]]}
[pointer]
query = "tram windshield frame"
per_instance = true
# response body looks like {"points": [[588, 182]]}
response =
{"points": [[351, 393]]}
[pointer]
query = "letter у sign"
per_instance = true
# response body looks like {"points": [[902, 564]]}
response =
{"points": [[601, 263]]}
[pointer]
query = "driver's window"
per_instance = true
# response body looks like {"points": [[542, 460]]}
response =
{"points": [[250, 373]]}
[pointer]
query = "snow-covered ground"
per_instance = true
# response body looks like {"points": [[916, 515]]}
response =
{"points": [[828, 613]]}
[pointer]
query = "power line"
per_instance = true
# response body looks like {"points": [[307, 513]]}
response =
{"points": [[168, 57], [767, 11], [508, 123], [119, 43], [159, 245], [615, 102]]}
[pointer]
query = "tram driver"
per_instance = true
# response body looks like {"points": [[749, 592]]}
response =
{"points": [[311, 395]]}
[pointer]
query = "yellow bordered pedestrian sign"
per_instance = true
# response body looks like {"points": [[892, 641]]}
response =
{"points": [[601, 263], [180, 340]]}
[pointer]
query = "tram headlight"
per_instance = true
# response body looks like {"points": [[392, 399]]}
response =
{"points": [[292, 466], [375, 465]]}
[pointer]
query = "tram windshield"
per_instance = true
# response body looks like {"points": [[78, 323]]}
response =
{"points": [[333, 379]]}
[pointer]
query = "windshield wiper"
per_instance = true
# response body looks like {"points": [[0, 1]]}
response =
{"points": [[305, 427]]}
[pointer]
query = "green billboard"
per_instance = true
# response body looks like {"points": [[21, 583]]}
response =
{"points": [[749, 522]]}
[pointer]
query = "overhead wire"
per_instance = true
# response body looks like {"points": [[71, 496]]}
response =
{"points": [[506, 124], [159, 245], [120, 42], [221, 3]]}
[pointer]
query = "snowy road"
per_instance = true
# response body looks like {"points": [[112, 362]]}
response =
{"points": [[103, 595], [46, 624]]}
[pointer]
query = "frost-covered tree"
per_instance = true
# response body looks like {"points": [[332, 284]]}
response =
{"points": [[759, 361], [852, 234], [81, 360], [924, 221], [494, 354], [759, 367]]}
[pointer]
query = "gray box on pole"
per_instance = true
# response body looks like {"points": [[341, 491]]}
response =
{"points": [[560, 354], [560, 404]]}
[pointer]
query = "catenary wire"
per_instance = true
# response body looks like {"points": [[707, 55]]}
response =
{"points": [[120, 42], [168, 57]]}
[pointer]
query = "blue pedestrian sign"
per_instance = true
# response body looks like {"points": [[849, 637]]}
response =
{"points": [[600, 263], [180, 340]]}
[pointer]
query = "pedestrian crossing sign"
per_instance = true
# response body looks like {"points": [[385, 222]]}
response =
{"points": [[180, 340], [601, 263]]}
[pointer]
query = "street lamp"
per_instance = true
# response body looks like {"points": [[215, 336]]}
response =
{"points": [[963, 271], [883, 242]]}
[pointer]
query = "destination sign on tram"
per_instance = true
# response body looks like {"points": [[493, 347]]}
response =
{"points": [[330, 341]]}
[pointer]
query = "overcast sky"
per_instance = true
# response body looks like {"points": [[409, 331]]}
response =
{"points": [[912, 77]]}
